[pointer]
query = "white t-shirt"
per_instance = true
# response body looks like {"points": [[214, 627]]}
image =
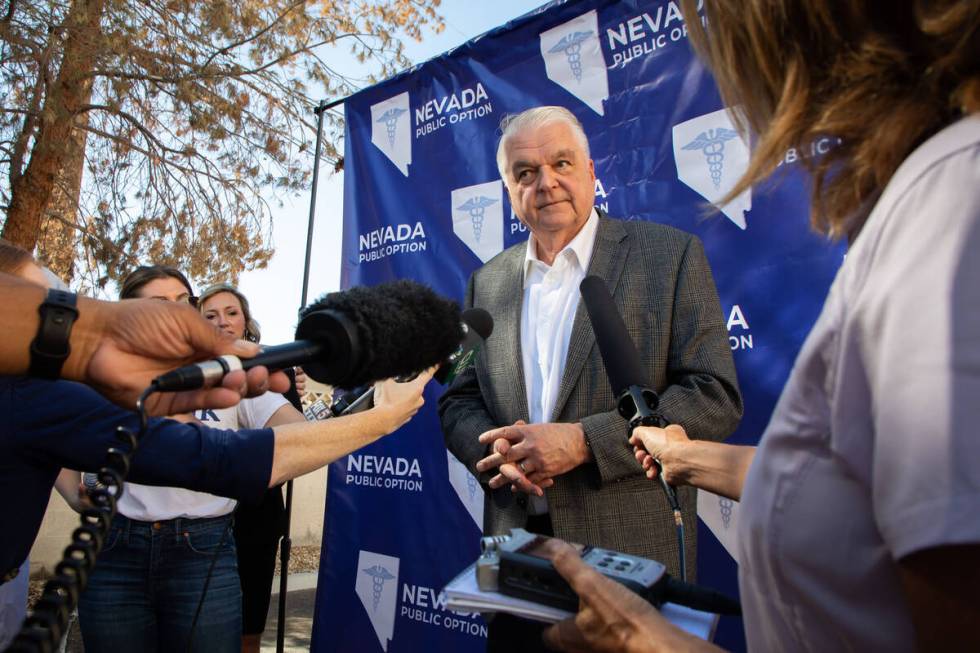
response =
{"points": [[152, 503], [872, 452]]}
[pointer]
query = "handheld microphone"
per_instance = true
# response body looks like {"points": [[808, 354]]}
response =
{"points": [[350, 338], [636, 402], [352, 401], [477, 326]]}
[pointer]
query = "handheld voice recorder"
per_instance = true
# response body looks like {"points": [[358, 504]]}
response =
{"points": [[519, 565]]}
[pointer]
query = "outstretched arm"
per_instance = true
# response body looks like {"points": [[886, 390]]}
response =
{"points": [[119, 347], [305, 446], [711, 466]]}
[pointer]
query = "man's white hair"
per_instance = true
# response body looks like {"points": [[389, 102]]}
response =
{"points": [[536, 117]]}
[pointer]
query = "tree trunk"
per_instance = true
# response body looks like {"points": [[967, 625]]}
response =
{"points": [[60, 229], [31, 193]]}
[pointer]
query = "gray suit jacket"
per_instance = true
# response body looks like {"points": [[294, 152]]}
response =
{"points": [[662, 285]]}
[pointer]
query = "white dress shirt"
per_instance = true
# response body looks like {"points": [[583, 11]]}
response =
{"points": [[551, 295]]}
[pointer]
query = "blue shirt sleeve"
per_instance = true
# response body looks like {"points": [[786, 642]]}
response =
{"points": [[70, 425]]}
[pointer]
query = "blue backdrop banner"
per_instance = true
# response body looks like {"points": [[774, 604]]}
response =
{"points": [[423, 200]]}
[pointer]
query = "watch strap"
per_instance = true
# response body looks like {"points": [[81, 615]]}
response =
{"points": [[50, 348]]}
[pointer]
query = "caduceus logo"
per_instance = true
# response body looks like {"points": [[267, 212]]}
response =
{"points": [[710, 157], [390, 120], [478, 217], [571, 45], [379, 575], [712, 145], [395, 143], [573, 59], [477, 208], [725, 508], [377, 592]]}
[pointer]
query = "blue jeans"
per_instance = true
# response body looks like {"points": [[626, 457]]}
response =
{"points": [[148, 581], [13, 606]]}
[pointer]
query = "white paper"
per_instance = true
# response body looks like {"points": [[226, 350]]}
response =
{"points": [[464, 595]]}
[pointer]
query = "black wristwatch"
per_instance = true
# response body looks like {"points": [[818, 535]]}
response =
{"points": [[50, 348]]}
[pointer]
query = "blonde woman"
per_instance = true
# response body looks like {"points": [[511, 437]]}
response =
{"points": [[258, 527], [859, 527]]}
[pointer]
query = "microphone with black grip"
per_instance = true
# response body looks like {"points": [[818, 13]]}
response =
{"points": [[353, 401], [636, 402], [477, 327], [350, 338]]}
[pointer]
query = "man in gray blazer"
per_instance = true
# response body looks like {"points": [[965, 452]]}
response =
{"points": [[535, 418]]}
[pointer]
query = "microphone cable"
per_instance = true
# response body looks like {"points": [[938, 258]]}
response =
{"points": [[656, 419], [43, 630], [696, 597]]}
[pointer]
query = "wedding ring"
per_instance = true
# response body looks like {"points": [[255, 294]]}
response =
{"points": [[523, 468]]}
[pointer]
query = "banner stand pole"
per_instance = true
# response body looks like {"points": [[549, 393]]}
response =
{"points": [[286, 543]]}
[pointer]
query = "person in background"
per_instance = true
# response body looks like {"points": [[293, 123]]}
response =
{"points": [[257, 527], [859, 526], [122, 603], [147, 588]]}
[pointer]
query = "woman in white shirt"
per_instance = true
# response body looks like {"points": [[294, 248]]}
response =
{"points": [[258, 527], [168, 544]]}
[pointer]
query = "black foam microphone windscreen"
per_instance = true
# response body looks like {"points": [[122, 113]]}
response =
{"points": [[618, 352], [351, 338], [402, 327], [478, 326]]}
